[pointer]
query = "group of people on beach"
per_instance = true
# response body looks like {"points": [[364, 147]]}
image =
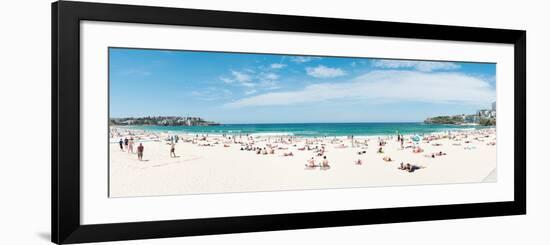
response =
{"points": [[318, 146], [401, 140], [128, 145], [269, 149], [323, 166], [318, 151], [271, 145]]}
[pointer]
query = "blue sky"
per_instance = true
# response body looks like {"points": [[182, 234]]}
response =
{"points": [[265, 88]]}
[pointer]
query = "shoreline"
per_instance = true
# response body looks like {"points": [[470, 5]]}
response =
{"points": [[288, 134]]}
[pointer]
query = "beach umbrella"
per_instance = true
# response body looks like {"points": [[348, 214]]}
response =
{"points": [[416, 138]]}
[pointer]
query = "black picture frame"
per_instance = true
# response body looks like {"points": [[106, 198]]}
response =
{"points": [[66, 18]]}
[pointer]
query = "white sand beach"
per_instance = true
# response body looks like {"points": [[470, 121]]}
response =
{"points": [[218, 164]]}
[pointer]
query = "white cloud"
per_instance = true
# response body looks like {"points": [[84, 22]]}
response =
{"points": [[269, 85], [212, 93], [382, 86], [270, 76], [249, 92], [241, 76], [263, 80], [302, 59], [227, 80], [324, 72], [277, 66], [248, 84], [425, 66]]}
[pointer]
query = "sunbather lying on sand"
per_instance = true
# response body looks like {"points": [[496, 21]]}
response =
{"points": [[401, 166], [417, 150], [440, 153], [409, 167]]}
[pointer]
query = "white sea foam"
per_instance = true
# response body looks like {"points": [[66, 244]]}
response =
{"points": [[272, 134]]}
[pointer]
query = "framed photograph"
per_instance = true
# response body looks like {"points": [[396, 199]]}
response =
{"points": [[174, 122]]}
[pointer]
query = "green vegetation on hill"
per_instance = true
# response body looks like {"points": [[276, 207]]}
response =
{"points": [[487, 122], [445, 120], [162, 121]]}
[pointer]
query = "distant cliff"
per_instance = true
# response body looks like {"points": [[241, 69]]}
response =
{"points": [[456, 120], [474, 119], [162, 121]]}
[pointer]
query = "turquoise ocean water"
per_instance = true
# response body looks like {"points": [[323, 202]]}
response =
{"points": [[312, 129]]}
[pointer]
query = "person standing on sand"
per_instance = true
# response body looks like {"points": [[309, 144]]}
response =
{"points": [[173, 150], [125, 143], [131, 145], [120, 143], [140, 152]]}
